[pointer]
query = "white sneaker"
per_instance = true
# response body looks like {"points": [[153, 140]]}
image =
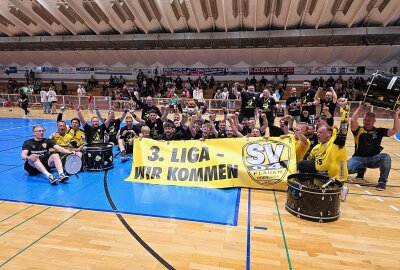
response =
{"points": [[63, 178], [344, 192], [52, 179]]}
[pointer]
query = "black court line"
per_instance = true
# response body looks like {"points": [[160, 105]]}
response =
{"points": [[131, 231]]}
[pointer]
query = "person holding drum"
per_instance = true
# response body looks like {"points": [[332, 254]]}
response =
{"points": [[39, 159], [368, 147], [72, 165]]}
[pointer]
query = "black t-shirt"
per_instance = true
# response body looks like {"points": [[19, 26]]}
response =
{"points": [[113, 127], [266, 105], [293, 108], [94, 134], [156, 128], [275, 131], [368, 143], [129, 134], [145, 108], [308, 96], [40, 148], [248, 104], [330, 104], [175, 137]]}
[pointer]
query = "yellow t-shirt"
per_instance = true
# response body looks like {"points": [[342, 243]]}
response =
{"points": [[62, 140], [78, 136], [300, 149], [330, 159]]}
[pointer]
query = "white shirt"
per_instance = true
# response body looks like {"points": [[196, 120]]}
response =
{"points": [[52, 96], [43, 96]]}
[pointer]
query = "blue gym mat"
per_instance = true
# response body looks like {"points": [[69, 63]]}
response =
{"points": [[87, 189]]}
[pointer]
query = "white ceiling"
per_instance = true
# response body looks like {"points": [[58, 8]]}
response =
{"points": [[237, 28]]}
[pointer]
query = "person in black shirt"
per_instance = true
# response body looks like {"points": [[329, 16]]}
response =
{"points": [[293, 107], [23, 101], [39, 159], [125, 137], [114, 125], [249, 100], [155, 124], [368, 147], [307, 99], [329, 101], [146, 107], [95, 132], [267, 105], [169, 133]]}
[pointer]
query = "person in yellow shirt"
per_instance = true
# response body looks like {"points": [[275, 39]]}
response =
{"points": [[65, 139], [329, 156]]}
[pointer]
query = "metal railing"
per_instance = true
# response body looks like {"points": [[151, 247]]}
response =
{"points": [[105, 103]]}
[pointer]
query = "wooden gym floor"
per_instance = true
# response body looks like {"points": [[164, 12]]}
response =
{"points": [[264, 235]]}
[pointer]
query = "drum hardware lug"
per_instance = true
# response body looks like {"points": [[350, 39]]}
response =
{"points": [[321, 220], [330, 198], [298, 209], [320, 213], [329, 213], [298, 215], [323, 198]]}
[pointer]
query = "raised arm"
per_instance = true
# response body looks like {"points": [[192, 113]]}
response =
{"points": [[126, 110], [191, 127], [98, 114], [396, 123], [334, 95], [164, 113], [80, 115], [317, 99], [342, 132], [354, 118], [231, 121]]}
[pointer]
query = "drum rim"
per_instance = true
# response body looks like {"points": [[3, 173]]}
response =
{"points": [[312, 217], [312, 190], [69, 156], [311, 176]]}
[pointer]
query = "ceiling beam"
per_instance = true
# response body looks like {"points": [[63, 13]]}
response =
{"points": [[224, 14], [359, 9], [288, 14], [393, 12], [34, 17], [165, 16], [5, 30], [255, 15], [102, 5], [88, 20], [322, 14], [135, 13], [19, 24], [193, 15], [304, 12]]}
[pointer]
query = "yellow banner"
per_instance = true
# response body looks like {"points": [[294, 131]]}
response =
{"points": [[215, 163]]}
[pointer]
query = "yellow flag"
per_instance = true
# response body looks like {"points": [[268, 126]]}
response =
{"points": [[215, 163]]}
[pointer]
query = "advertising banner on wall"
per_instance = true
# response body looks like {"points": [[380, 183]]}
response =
{"points": [[237, 71], [270, 70], [67, 70], [49, 69], [85, 70]]}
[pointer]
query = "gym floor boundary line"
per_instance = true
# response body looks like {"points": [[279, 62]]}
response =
{"points": [[130, 230]]}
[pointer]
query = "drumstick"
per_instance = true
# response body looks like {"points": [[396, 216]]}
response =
{"points": [[331, 180]]}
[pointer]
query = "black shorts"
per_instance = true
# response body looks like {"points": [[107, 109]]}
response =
{"points": [[32, 170]]}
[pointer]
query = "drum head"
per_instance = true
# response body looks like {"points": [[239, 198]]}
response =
{"points": [[73, 164]]}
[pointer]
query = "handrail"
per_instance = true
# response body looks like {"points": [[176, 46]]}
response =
{"points": [[105, 103]]}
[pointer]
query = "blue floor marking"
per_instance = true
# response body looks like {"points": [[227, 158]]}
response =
{"points": [[219, 206]]}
